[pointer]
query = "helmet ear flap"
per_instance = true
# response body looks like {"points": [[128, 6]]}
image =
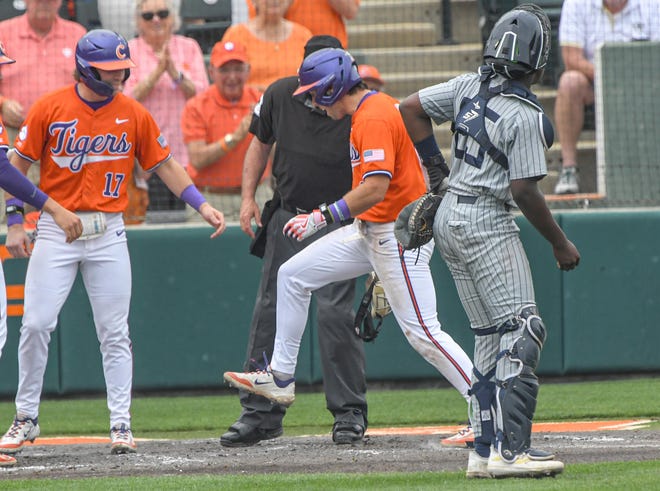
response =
{"points": [[102, 49]]}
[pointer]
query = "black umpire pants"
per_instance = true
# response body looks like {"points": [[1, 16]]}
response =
{"points": [[342, 353]]}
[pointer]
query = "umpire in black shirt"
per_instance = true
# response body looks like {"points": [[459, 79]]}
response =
{"points": [[311, 166]]}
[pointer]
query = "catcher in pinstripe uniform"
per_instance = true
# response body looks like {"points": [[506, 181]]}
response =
{"points": [[500, 136]]}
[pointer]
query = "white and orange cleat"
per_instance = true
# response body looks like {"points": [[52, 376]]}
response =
{"points": [[464, 438], [21, 430], [264, 383], [122, 442], [7, 460]]}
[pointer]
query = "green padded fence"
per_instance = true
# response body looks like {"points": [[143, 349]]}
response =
{"points": [[193, 299]]}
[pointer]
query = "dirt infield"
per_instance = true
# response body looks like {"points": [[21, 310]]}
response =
{"points": [[383, 450]]}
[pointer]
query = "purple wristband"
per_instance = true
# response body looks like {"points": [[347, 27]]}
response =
{"points": [[15, 202], [339, 210], [193, 197], [14, 219]]}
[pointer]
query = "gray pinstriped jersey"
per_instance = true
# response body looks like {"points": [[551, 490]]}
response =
{"points": [[517, 133]]}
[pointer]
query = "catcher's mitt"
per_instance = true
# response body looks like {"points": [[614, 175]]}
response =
{"points": [[414, 225]]}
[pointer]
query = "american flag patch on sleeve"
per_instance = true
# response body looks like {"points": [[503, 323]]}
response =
{"points": [[373, 155]]}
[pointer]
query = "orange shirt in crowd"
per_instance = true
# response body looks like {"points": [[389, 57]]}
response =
{"points": [[43, 64], [380, 145], [316, 15], [208, 116], [270, 61], [87, 156]]}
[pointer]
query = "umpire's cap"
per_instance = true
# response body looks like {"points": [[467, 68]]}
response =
{"points": [[519, 42], [321, 41]]}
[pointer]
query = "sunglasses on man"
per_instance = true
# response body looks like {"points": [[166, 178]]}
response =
{"points": [[161, 14]]}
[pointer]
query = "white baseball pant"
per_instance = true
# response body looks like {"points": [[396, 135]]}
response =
{"points": [[352, 251], [106, 272]]}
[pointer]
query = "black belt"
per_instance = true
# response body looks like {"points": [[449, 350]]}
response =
{"points": [[470, 200], [293, 209], [466, 200]]}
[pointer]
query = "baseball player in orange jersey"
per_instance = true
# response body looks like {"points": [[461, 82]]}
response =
{"points": [[17, 184], [87, 137], [386, 176]]}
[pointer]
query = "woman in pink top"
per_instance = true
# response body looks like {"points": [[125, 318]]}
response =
{"points": [[170, 70], [275, 46]]}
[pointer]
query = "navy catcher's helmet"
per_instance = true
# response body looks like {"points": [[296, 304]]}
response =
{"points": [[105, 50], [330, 72], [4, 59], [519, 42]]}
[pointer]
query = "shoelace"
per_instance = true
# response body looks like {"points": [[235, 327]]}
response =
{"points": [[465, 431], [260, 368], [15, 428], [122, 433]]}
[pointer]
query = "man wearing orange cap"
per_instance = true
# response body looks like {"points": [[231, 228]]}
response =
{"points": [[371, 76], [215, 127]]}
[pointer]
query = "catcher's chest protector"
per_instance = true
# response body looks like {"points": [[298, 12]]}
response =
{"points": [[470, 121]]}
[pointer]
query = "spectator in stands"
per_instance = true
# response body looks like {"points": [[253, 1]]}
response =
{"points": [[321, 16], [239, 11], [215, 127], [583, 27], [275, 46], [46, 43], [170, 70], [371, 76]]}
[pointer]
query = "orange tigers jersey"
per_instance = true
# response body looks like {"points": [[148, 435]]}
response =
{"points": [[381, 145], [87, 156]]}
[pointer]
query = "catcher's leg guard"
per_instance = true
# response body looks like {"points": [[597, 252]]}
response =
{"points": [[482, 401], [517, 385]]}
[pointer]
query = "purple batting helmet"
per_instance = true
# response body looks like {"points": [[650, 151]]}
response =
{"points": [[105, 50], [330, 72]]}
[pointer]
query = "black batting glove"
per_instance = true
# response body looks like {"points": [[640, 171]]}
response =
{"points": [[437, 170]]}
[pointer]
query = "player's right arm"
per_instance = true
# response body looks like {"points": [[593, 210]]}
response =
{"points": [[13, 180]]}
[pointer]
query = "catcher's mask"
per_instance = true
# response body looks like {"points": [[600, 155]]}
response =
{"points": [[330, 72], [104, 50], [519, 43]]}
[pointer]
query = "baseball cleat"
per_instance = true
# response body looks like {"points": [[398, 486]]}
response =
{"points": [[464, 438], [264, 383], [21, 430], [7, 460], [522, 466], [121, 440], [477, 467]]}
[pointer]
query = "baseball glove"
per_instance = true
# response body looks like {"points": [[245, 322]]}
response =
{"points": [[380, 306], [414, 225], [373, 306]]}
